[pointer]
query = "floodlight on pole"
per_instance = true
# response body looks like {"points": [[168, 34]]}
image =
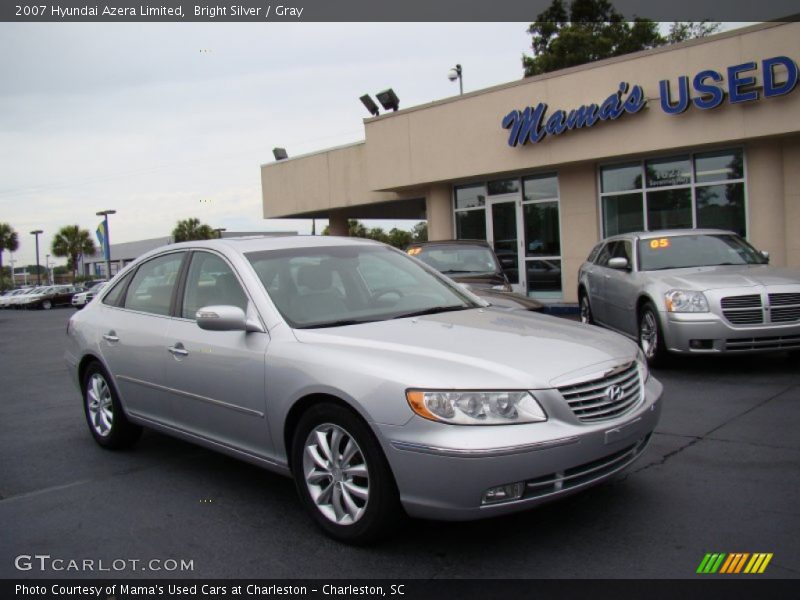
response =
{"points": [[370, 105], [388, 99], [456, 73], [280, 153]]}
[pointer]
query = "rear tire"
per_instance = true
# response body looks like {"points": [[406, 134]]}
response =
{"points": [[651, 339], [107, 421], [47, 305], [342, 475]]}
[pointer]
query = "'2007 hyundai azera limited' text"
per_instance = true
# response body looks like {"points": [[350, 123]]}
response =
{"points": [[380, 385]]}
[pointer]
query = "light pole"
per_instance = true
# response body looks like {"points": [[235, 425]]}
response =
{"points": [[36, 233], [13, 272], [455, 73], [107, 239], [47, 269]]}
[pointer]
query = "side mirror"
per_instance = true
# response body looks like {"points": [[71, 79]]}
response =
{"points": [[225, 318], [765, 254], [618, 262]]}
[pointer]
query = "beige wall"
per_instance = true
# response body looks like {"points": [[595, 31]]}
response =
{"points": [[791, 187], [579, 222]]}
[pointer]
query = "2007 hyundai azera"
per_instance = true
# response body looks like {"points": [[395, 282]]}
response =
{"points": [[376, 382]]}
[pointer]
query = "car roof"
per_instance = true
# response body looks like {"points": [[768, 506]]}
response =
{"points": [[451, 242], [646, 235]]}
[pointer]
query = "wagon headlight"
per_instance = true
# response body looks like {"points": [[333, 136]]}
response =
{"points": [[476, 407], [685, 301]]}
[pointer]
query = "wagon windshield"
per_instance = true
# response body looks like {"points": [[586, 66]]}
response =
{"points": [[346, 285], [682, 251]]}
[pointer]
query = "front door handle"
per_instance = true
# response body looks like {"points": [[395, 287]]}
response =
{"points": [[178, 350], [111, 336]]}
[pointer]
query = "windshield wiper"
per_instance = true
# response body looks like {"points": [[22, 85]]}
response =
{"points": [[449, 271], [432, 311], [340, 323]]}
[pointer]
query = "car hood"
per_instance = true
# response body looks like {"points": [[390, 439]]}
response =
{"points": [[479, 347], [727, 276]]}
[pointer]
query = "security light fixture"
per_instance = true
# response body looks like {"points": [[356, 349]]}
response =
{"points": [[455, 73], [279, 153], [388, 99], [369, 103]]}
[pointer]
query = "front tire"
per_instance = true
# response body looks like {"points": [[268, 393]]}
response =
{"points": [[107, 421], [342, 475], [651, 339], [47, 305], [586, 310]]}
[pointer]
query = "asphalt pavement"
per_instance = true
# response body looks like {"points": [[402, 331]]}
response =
{"points": [[722, 474]]}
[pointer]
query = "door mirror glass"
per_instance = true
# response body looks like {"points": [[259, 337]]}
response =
{"points": [[618, 262]]}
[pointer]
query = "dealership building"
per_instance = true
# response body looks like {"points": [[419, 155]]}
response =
{"points": [[705, 133]]}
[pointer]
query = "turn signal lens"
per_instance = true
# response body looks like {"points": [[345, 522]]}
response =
{"points": [[476, 407]]}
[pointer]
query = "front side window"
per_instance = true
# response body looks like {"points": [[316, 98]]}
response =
{"points": [[703, 190], [210, 282], [344, 285], [151, 288], [683, 251]]}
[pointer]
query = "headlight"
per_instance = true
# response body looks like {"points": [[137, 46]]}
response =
{"points": [[644, 370], [476, 407], [685, 301]]}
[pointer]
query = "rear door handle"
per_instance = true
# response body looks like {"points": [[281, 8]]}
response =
{"points": [[111, 336], [178, 350]]}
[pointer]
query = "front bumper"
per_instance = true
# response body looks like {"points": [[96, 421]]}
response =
{"points": [[708, 333], [442, 471]]}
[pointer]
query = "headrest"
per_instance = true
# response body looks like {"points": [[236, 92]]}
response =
{"points": [[315, 277]]}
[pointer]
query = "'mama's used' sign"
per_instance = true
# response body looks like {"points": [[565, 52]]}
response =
{"points": [[532, 124]]}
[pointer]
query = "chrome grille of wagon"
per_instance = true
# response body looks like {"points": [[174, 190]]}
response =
{"points": [[743, 310], [592, 401], [785, 308]]}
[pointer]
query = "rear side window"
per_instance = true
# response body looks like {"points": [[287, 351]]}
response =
{"points": [[152, 286], [114, 297]]}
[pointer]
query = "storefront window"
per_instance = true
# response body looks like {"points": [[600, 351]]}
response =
{"points": [[470, 197], [471, 225], [679, 192], [542, 236], [503, 186], [540, 187]]}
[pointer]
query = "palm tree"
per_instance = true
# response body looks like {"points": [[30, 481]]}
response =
{"points": [[191, 229], [10, 242], [71, 241]]}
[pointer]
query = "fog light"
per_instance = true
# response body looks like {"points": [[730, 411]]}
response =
{"points": [[503, 493], [701, 344]]}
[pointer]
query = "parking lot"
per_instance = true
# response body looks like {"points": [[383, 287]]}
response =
{"points": [[722, 474]]}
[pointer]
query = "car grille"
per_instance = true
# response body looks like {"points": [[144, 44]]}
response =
{"points": [[589, 399], [777, 342], [585, 473], [783, 299], [785, 308], [743, 310]]}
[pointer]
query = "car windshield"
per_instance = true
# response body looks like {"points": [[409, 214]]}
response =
{"points": [[455, 259], [677, 252], [346, 285]]}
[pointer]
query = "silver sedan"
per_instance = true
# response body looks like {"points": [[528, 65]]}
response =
{"points": [[377, 383], [691, 291]]}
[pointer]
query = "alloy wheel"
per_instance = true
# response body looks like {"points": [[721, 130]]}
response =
{"points": [[336, 474], [648, 334], [586, 311], [99, 403]]}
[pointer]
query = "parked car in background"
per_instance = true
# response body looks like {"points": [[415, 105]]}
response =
{"points": [[7, 299], [19, 300], [474, 264], [48, 297], [691, 292], [83, 297], [376, 382]]}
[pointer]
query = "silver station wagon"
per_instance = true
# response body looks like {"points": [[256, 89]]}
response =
{"points": [[380, 385], [691, 291]]}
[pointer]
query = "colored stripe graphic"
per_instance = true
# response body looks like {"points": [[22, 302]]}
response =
{"points": [[734, 563], [758, 563], [741, 562], [703, 563]]}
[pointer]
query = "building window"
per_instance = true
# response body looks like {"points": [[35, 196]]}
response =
{"points": [[701, 190], [520, 217], [470, 212]]}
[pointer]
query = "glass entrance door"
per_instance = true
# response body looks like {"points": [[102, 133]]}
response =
{"points": [[504, 214]]}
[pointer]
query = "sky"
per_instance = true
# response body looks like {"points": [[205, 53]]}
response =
{"points": [[168, 121]]}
